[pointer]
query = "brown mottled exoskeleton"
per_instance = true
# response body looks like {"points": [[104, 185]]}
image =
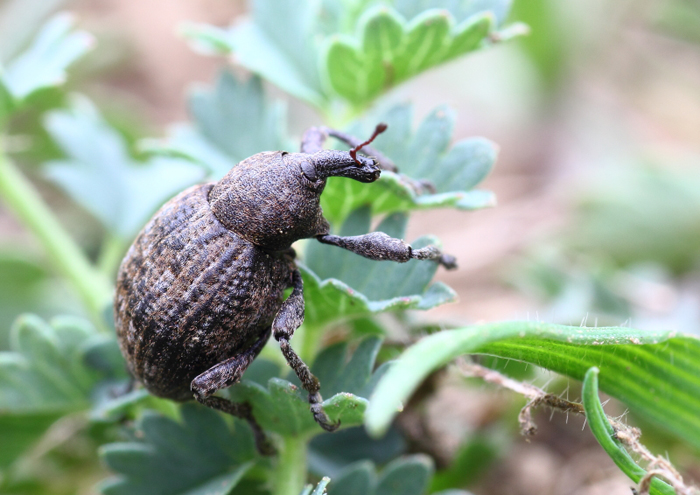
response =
{"points": [[201, 289]]}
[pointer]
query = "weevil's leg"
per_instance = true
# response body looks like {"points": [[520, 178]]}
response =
{"points": [[225, 374], [367, 150], [289, 318], [380, 246], [313, 139]]}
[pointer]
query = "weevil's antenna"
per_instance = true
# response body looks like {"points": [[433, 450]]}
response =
{"points": [[377, 131]]}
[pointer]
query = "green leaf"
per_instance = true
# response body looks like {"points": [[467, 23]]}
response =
{"points": [[233, 120], [330, 454], [44, 371], [320, 487], [656, 374], [389, 48], [43, 377], [20, 431], [339, 284], [201, 455], [605, 434], [472, 460], [423, 154], [405, 476], [277, 44], [460, 9], [282, 406], [43, 64], [313, 51], [100, 175]]}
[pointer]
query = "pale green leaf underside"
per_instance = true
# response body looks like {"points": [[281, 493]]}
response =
{"points": [[43, 64], [99, 174], [605, 434], [656, 374], [232, 121]]}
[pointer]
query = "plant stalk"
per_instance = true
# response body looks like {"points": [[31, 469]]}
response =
{"points": [[289, 477], [24, 200]]}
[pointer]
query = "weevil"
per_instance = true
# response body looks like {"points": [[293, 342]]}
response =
{"points": [[201, 289]]}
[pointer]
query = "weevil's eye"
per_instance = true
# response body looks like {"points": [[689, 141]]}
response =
{"points": [[309, 170]]}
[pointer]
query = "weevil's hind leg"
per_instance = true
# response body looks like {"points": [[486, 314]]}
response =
{"points": [[379, 246], [288, 319], [225, 374]]}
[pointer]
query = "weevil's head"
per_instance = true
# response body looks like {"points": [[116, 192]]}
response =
{"points": [[317, 167], [272, 199]]}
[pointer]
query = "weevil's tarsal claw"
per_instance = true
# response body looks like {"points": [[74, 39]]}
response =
{"points": [[434, 253], [319, 415], [448, 261]]}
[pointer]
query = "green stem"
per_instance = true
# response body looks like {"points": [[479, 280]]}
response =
{"points": [[111, 255], [24, 200], [290, 475]]}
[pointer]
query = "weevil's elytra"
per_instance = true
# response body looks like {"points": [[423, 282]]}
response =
{"points": [[201, 289]]}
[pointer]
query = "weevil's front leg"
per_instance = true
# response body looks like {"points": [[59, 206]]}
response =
{"points": [[225, 374], [380, 246], [288, 319]]}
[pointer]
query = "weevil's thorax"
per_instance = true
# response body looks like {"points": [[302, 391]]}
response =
{"points": [[266, 200]]}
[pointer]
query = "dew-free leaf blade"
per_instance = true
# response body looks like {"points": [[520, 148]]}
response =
{"points": [[233, 120], [99, 174], [390, 46], [42, 377], [43, 64], [277, 43], [656, 374], [200, 454]]}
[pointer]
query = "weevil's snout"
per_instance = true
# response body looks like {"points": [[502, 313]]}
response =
{"points": [[368, 170], [333, 163]]}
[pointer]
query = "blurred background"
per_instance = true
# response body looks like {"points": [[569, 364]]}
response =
{"points": [[597, 116]]}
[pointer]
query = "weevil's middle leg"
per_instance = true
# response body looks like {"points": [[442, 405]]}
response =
{"points": [[288, 319]]}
